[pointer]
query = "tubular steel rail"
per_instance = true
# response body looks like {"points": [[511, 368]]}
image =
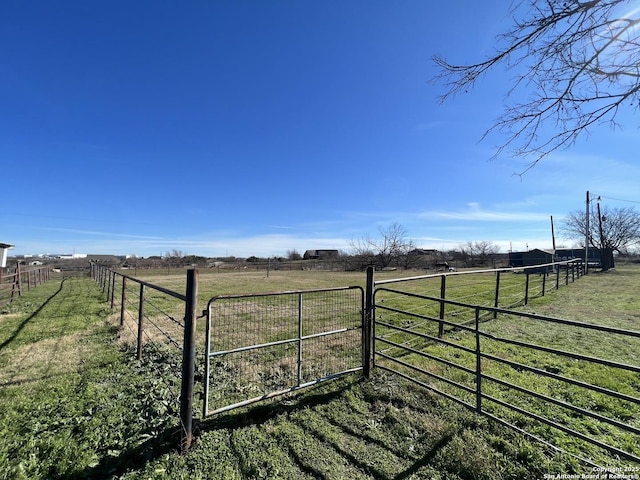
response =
{"points": [[465, 366], [259, 346]]}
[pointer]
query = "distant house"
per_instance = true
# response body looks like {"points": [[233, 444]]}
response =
{"points": [[320, 254], [532, 257]]}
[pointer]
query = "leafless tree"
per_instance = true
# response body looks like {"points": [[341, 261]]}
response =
{"points": [[388, 249], [578, 62], [614, 230], [293, 255], [478, 253]]}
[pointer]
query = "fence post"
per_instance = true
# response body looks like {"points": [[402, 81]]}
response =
{"points": [[109, 275], [558, 278], [122, 302], [496, 302], [443, 292], [17, 282], [299, 339], [478, 364], [140, 322], [544, 280], [113, 290], [188, 360], [526, 289], [367, 325]]}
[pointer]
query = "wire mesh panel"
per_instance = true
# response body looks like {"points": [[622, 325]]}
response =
{"points": [[263, 345]]}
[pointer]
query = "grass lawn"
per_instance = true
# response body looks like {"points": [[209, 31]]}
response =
{"points": [[74, 403]]}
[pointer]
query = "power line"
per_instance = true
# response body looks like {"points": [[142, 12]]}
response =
{"points": [[618, 199]]}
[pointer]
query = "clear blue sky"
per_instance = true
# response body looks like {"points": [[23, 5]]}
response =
{"points": [[252, 128]]}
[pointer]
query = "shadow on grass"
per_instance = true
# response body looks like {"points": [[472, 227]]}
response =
{"points": [[259, 414], [364, 464], [24, 323], [131, 459], [135, 459]]}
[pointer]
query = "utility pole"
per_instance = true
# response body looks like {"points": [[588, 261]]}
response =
{"points": [[586, 239], [604, 264]]}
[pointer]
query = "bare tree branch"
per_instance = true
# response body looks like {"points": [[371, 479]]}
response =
{"points": [[578, 62]]}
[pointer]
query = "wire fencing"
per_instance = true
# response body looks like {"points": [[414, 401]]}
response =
{"points": [[263, 345], [160, 325], [258, 346]]}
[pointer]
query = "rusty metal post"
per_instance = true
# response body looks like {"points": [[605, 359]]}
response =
{"points": [[108, 284], [123, 300], [478, 364], [544, 282], [188, 360], [443, 292], [496, 301], [300, 334], [526, 289], [140, 322], [368, 327], [113, 290]]}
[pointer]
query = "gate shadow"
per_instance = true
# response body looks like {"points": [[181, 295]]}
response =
{"points": [[261, 413]]}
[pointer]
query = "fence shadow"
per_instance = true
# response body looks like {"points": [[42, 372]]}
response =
{"points": [[24, 323]]}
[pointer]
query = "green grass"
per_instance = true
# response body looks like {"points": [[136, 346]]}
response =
{"points": [[75, 404]]}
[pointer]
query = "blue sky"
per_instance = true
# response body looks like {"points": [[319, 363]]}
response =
{"points": [[253, 128]]}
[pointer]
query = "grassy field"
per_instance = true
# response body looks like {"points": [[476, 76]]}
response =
{"points": [[74, 403]]}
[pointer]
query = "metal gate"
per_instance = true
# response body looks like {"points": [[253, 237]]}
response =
{"points": [[262, 345], [518, 368]]}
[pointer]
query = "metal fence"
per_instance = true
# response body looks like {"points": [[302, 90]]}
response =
{"points": [[521, 369], [498, 288], [13, 284], [447, 332], [262, 345], [161, 324]]}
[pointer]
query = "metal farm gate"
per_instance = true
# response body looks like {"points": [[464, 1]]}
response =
{"points": [[520, 369], [262, 345]]}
